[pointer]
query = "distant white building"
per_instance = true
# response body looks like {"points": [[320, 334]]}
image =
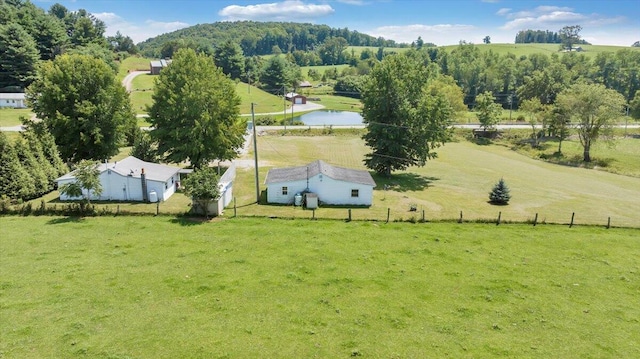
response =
{"points": [[332, 185], [131, 179], [13, 100]]}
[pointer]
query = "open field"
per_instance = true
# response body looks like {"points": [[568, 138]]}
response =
{"points": [[132, 63], [590, 51], [158, 287], [11, 116], [459, 180]]}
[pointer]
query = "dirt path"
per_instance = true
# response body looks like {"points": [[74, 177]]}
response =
{"points": [[126, 81]]}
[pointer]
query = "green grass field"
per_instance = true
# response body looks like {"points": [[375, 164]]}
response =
{"points": [[459, 180], [132, 63], [11, 116], [158, 287]]}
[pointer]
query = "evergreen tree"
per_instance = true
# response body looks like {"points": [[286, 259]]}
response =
{"points": [[229, 58], [19, 57], [500, 193], [15, 181], [33, 166]]}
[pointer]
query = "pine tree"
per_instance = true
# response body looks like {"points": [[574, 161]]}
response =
{"points": [[500, 193], [15, 181]]}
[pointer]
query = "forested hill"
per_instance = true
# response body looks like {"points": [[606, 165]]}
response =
{"points": [[258, 38]]}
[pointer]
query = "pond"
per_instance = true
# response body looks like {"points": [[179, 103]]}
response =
{"points": [[329, 117]]}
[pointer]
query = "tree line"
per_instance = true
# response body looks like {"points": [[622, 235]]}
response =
{"points": [[29, 35], [542, 37], [257, 38]]}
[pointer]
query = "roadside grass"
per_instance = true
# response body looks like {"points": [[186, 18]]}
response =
{"points": [[11, 116], [158, 287], [339, 103], [144, 82], [459, 180], [264, 101], [140, 100]]}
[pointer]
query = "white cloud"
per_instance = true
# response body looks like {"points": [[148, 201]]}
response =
{"points": [[137, 33], [551, 17], [441, 34], [289, 10]]}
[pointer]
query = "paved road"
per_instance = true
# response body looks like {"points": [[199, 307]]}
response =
{"points": [[126, 81]]}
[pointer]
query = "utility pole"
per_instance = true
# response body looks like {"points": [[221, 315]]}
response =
{"points": [[284, 108], [255, 153]]}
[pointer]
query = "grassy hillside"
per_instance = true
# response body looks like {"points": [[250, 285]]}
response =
{"points": [[145, 287]]}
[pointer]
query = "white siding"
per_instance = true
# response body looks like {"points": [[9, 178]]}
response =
{"points": [[329, 191], [116, 187]]}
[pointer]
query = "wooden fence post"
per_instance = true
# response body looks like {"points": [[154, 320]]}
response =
{"points": [[349, 215], [423, 216], [313, 211], [573, 214], [535, 220], [499, 216], [235, 210], [388, 214], [157, 208], [460, 220], [609, 223]]}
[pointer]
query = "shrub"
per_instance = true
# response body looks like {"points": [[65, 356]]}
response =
{"points": [[500, 193]]}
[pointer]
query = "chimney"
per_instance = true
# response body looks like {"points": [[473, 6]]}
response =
{"points": [[143, 179]]}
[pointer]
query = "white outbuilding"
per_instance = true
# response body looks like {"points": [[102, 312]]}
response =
{"points": [[131, 179], [13, 100], [332, 185]]}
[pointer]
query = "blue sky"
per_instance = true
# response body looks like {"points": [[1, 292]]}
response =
{"points": [[613, 22]]}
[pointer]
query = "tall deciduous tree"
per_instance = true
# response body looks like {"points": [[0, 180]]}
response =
{"points": [[570, 35], [594, 109], [83, 105], [487, 111], [405, 121], [634, 106], [19, 57], [195, 111]]}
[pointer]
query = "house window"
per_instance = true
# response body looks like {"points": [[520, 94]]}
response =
{"points": [[285, 191], [355, 193]]}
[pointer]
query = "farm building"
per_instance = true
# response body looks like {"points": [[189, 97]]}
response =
{"points": [[132, 179], [332, 185], [156, 66], [12, 100], [305, 84], [297, 99], [226, 194]]}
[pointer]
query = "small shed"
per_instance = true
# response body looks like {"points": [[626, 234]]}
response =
{"points": [[305, 84], [330, 184], [295, 98], [13, 100], [156, 66]]}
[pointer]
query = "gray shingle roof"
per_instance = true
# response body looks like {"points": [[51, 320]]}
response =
{"points": [[278, 175], [133, 166]]}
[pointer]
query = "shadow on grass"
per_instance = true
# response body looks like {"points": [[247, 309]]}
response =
{"points": [[403, 182], [65, 220], [189, 221], [576, 160]]}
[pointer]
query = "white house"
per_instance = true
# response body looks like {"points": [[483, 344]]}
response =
{"points": [[132, 179], [12, 100], [332, 185]]}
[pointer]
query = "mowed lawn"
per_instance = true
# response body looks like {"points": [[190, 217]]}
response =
{"points": [[459, 180], [159, 287]]}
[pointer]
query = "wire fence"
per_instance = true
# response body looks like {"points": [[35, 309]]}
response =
{"points": [[347, 214]]}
